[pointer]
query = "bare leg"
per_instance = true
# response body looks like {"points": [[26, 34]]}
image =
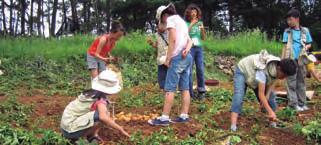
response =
{"points": [[169, 98], [186, 100], [93, 131], [234, 117]]}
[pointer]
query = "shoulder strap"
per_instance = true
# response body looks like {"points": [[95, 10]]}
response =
{"points": [[288, 53], [303, 36], [162, 36]]}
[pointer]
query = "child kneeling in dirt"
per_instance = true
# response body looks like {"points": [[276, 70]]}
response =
{"points": [[259, 72], [162, 45], [85, 116]]}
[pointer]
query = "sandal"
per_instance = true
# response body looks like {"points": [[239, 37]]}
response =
{"points": [[96, 137]]}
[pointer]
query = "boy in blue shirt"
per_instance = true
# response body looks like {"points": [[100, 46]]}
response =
{"points": [[297, 40]]}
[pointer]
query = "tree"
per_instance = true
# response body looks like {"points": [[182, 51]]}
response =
{"points": [[31, 18], [23, 7], [11, 17], [4, 16], [39, 16], [74, 16], [53, 18]]}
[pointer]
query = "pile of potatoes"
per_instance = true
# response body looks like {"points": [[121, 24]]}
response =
{"points": [[134, 117]]}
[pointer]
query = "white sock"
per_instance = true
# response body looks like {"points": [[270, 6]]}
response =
{"points": [[164, 117], [233, 127], [183, 116]]}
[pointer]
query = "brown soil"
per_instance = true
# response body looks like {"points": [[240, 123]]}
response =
{"points": [[47, 111], [275, 136]]}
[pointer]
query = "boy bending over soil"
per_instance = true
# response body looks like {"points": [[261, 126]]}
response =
{"points": [[259, 72]]}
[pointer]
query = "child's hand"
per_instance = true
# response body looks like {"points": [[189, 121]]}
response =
{"points": [[167, 63], [125, 133], [193, 22], [185, 53], [201, 26], [149, 41], [272, 116]]}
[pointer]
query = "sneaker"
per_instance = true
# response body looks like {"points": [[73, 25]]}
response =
{"points": [[305, 108], [298, 109], [159, 122], [233, 128], [180, 120], [273, 124], [201, 96]]}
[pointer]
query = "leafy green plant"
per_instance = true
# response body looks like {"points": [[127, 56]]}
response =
{"points": [[235, 139], [14, 112], [202, 108], [286, 114], [19, 136], [50, 137], [313, 130]]}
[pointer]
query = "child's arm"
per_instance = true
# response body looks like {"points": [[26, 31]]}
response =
{"points": [[270, 89], [203, 32], [263, 100], [107, 120], [308, 46], [152, 43], [315, 75], [188, 47], [171, 45], [102, 42], [283, 51]]}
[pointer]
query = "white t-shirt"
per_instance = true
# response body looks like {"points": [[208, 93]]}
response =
{"points": [[182, 35]]}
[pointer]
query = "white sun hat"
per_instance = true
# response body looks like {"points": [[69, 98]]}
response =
{"points": [[306, 59], [160, 10], [106, 82], [264, 58]]}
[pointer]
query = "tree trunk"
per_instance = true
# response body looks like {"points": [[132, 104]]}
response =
{"points": [[98, 24], [108, 6], [4, 17], [53, 18], [64, 22], [42, 19], [17, 22], [39, 16], [31, 18], [74, 16], [48, 17], [230, 14], [23, 7], [11, 18]]}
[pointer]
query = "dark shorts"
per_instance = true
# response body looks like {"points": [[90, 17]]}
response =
{"points": [[162, 71], [80, 133]]}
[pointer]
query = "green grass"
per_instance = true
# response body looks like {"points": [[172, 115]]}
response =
{"points": [[240, 44]]}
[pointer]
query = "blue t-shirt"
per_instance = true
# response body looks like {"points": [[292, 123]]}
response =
{"points": [[297, 46], [260, 76]]}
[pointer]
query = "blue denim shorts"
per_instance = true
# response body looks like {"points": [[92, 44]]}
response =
{"points": [[162, 72], [95, 63], [80, 133], [178, 73]]}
